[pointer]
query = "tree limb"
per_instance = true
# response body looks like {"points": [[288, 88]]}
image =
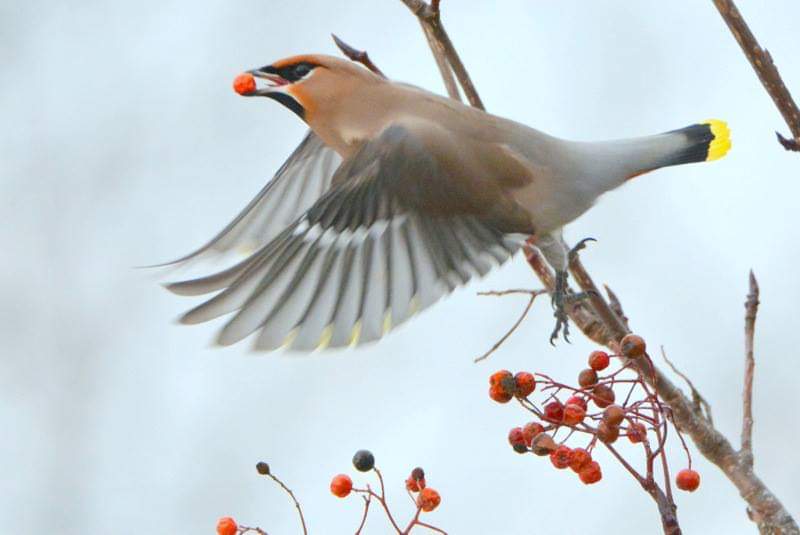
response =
{"points": [[765, 68], [751, 309]]}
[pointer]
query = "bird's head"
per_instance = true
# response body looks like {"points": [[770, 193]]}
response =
{"points": [[307, 83]]}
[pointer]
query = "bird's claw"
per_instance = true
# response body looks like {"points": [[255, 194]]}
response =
{"points": [[560, 299], [573, 253]]}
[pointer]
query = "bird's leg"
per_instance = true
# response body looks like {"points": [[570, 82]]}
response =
{"points": [[562, 297]]}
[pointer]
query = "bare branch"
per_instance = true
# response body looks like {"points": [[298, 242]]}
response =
{"points": [[534, 294], [616, 306], [294, 499], [751, 309], [359, 56], [701, 406], [765, 68]]}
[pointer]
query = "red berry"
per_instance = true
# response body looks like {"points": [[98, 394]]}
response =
{"points": [[244, 84], [578, 400], [632, 346], [598, 360], [530, 430], [525, 384], [227, 526], [560, 457], [428, 500], [573, 414], [603, 396], [613, 415], [554, 412], [502, 386], [587, 378], [579, 459], [687, 480], [341, 485], [517, 440], [637, 433], [590, 473]]}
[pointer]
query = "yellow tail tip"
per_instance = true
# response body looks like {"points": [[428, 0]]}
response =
{"points": [[721, 143]]}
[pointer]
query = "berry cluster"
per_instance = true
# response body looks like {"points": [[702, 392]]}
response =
{"points": [[591, 408]]}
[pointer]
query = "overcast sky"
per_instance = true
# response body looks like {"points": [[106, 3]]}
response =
{"points": [[123, 144]]}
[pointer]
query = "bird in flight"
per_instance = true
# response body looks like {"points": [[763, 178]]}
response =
{"points": [[395, 197]]}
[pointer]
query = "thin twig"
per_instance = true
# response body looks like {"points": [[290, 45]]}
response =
{"points": [[702, 406], [533, 294], [359, 56], [294, 499], [765, 68], [445, 70], [751, 309], [367, 500]]}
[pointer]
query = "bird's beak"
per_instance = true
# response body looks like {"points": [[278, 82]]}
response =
{"points": [[276, 82]]}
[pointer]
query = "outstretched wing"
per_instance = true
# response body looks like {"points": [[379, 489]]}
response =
{"points": [[396, 231], [298, 184]]}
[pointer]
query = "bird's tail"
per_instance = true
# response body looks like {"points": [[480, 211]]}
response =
{"points": [[701, 142]]}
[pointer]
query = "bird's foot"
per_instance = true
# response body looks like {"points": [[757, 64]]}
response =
{"points": [[573, 253], [561, 298]]}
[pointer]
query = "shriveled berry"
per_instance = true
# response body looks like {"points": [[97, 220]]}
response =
{"points": [[687, 480], [587, 378], [578, 400], [579, 458], [632, 346], [244, 84], [554, 412], [499, 394], [573, 414], [364, 461], [603, 396], [341, 485], [607, 433], [560, 457], [525, 383], [428, 500], [590, 473], [598, 360], [418, 473], [227, 526], [262, 468], [637, 432], [530, 430], [543, 444], [613, 415]]}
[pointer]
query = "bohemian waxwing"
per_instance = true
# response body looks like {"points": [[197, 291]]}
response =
{"points": [[395, 197]]}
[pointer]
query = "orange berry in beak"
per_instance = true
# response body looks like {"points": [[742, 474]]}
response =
{"points": [[244, 84]]}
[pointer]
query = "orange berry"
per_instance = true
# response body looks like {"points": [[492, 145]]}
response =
{"points": [[499, 377], [687, 480], [637, 433], [517, 440], [428, 500], [227, 526], [598, 360], [413, 485], [587, 378], [578, 400], [613, 415], [574, 414], [244, 84], [341, 485], [525, 384], [530, 430], [579, 458], [603, 396], [633, 346], [554, 412], [499, 394], [502, 386], [560, 457], [590, 473]]}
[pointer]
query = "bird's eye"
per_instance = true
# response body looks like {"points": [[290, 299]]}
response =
{"points": [[301, 70]]}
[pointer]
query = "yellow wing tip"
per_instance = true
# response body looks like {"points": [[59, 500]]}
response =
{"points": [[721, 143]]}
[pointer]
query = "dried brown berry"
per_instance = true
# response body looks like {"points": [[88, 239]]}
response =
{"points": [[613, 415], [632, 346], [524, 383], [598, 360], [417, 474], [607, 433], [543, 444], [560, 457], [603, 396], [587, 378], [262, 468]]}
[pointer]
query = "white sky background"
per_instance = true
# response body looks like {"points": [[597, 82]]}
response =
{"points": [[123, 144]]}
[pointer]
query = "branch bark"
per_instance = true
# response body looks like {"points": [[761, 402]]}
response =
{"points": [[604, 326], [765, 68]]}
